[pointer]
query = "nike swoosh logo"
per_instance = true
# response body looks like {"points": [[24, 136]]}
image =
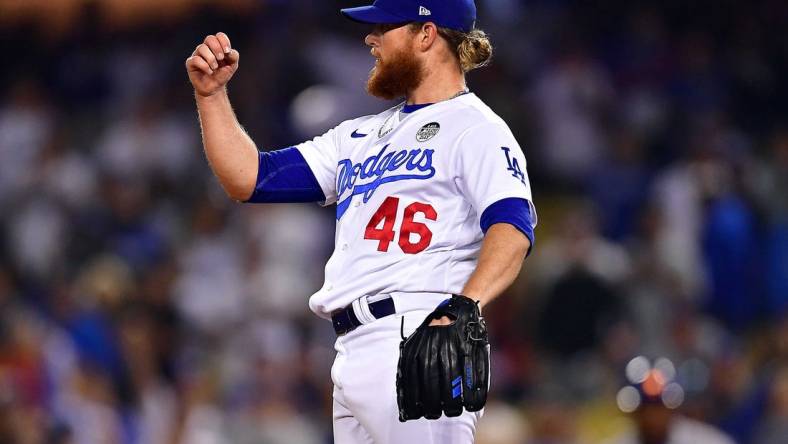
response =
{"points": [[358, 135]]}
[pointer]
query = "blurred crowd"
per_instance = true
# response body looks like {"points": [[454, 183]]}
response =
{"points": [[138, 304]]}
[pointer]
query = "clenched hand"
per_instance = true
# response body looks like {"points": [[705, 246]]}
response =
{"points": [[212, 64]]}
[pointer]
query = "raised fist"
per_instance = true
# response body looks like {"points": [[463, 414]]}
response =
{"points": [[212, 64]]}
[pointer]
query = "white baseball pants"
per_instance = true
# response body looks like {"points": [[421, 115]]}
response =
{"points": [[365, 398]]}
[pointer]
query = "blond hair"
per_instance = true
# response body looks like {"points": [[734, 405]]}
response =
{"points": [[473, 49]]}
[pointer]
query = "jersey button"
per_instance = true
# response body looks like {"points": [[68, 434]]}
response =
{"points": [[344, 247], [357, 204]]}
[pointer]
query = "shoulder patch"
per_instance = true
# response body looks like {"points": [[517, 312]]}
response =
{"points": [[428, 131]]}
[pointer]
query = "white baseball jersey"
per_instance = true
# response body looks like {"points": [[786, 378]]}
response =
{"points": [[410, 190]]}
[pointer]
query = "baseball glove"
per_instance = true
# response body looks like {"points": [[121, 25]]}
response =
{"points": [[444, 368]]}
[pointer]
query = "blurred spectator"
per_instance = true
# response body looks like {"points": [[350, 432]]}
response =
{"points": [[502, 425], [656, 424], [570, 96], [209, 290], [774, 427], [36, 232], [651, 399], [25, 124], [768, 179], [287, 243], [149, 144]]}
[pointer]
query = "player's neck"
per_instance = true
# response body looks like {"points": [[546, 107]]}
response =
{"points": [[438, 85]]}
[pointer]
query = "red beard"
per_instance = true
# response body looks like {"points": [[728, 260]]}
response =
{"points": [[396, 77]]}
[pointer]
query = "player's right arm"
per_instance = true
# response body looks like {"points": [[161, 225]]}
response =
{"points": [[303, 173], [231, 153]]}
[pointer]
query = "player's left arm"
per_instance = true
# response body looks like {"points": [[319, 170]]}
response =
{"points": [[500, 260], [492, 168]]}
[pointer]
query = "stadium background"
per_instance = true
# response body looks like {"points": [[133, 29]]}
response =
{"points": [[140, 305]]}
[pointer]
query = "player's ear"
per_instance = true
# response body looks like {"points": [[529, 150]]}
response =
{"points": [[427, 35]]}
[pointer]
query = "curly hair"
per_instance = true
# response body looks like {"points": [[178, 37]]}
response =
{"points": [[473, 49]]}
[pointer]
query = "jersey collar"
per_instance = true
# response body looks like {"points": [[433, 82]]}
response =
{"points": [[407, 109]]}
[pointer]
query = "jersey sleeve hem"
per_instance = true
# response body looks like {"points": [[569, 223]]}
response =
{"points": [[506, 195], [324, 180], [514, 211], [283, 176]]}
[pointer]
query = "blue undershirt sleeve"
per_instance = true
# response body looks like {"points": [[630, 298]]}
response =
{"points": [[514, 211], [284, 176]]}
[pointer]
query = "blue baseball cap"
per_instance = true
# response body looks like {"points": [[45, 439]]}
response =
{"points": [[459, 15]]}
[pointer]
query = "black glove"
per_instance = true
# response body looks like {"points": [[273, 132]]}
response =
{"points": [[444, 368]]}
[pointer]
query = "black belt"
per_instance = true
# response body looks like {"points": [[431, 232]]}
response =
{"points": [[345, 319]]}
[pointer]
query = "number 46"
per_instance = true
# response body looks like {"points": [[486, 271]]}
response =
{"points": [[387, 215]]}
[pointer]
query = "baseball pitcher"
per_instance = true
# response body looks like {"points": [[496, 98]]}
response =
{"points": [[434, 217]]}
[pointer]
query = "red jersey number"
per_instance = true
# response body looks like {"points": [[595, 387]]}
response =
{"points": [[381, 226], [387, 215]]}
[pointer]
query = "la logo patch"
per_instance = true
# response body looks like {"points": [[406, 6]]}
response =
{"points": [[428, 131]]}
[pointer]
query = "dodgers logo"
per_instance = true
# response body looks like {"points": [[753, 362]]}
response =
{"points": [[380, 169]]}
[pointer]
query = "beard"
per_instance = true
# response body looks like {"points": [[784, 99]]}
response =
{"points": [[397, 76]]}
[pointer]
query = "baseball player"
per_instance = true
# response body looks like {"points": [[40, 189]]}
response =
{"points": [[434, 217]]}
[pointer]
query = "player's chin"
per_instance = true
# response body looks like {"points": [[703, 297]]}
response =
{"points": [[374, 73]]}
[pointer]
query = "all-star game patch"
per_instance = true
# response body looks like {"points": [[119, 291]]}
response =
{"points": [[428, 131]]}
